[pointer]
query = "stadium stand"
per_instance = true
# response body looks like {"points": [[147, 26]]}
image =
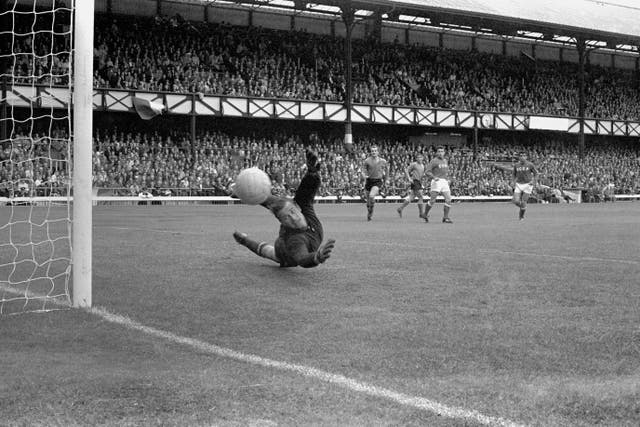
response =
{"points": [[209, 58], [130, 163], [260, 62]]}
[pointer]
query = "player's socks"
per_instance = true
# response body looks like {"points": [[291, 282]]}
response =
{"points": [[369, 210], [427, 208], [446, 210], [404, 205], [421, 210], [521, 214], [262, 249]]}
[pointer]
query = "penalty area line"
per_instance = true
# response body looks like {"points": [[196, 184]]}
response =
{"points": [[414, 402]]}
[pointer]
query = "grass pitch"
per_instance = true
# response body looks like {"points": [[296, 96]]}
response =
{"points": [[536, 322]]}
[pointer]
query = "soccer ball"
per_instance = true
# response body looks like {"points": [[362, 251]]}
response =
{"points": [[252, 186]]}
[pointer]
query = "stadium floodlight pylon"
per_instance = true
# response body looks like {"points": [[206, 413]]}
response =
{"points": [[46, 154]]}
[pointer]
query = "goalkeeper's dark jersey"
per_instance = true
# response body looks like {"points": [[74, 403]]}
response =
{"points": [[298, 247]]}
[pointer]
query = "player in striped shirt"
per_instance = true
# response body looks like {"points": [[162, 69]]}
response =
{"points": [[415, 173], [374, 171], [438, 171]]}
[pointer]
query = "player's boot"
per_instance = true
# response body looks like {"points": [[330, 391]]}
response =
{"points": [[447, 220], [425, 214]]}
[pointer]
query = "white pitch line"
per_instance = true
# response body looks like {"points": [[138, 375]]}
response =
{"points": [[415, 402]]}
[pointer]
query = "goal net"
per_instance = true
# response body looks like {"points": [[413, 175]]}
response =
{"points": [[37, 155]]}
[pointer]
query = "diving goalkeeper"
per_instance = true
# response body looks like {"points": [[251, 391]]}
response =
{"points": [[300, 239]]}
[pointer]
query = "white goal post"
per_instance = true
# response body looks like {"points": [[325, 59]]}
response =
{"points": [[82, 152]]}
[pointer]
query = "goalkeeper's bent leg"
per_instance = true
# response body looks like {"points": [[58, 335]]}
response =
{"points": [[259, 248]]}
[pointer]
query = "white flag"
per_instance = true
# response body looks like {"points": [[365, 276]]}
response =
{"points": [[147, 109]]}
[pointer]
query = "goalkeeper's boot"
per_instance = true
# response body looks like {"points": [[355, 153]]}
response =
{"points": [[313, 164], [447, 220], [240, 237]]}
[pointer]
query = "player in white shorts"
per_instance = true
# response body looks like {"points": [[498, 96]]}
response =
{"points": [[440, 185], [526, 188], [524, 173], [438, 171]]}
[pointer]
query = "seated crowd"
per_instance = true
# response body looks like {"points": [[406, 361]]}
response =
{"points": [[188, 57], [127, 163]]}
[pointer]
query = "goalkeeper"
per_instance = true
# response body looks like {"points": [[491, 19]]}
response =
{"points": [[300, 239]]}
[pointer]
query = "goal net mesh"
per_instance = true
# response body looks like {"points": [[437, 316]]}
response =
{"points": [[35, 155]]}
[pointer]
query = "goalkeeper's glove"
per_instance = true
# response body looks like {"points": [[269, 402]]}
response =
{"points": [[231, 190], [313, 164], [324, 252]]}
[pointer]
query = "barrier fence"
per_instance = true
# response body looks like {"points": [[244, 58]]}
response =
{"points": [[226, 200]]}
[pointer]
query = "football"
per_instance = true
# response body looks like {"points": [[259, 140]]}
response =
{"points": [[252, 186]]}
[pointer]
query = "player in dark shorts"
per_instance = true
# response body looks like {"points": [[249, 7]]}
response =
{"points": [[299, 242], [414, 174], [374, 170], [372, 182]]}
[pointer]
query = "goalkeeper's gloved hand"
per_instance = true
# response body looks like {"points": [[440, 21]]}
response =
{"points": [[313, 164], [324, 251], [231, 190]]}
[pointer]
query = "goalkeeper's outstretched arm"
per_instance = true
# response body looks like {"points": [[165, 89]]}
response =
{"points": [[307, 259]]}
